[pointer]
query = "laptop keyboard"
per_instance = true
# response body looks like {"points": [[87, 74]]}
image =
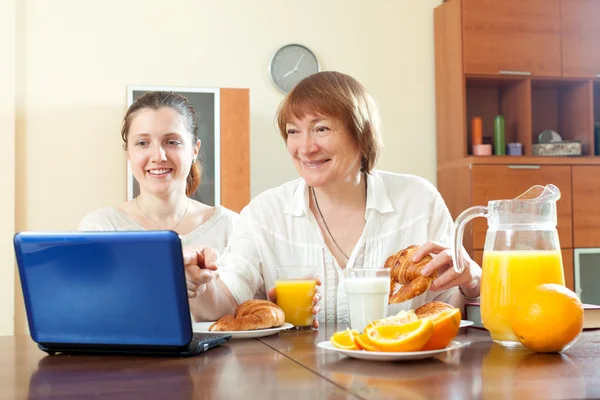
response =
{"points": [[200, 337]]}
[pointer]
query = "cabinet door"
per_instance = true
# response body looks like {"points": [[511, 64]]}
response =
{"points": [[586, 206], [495, 182], [580, 21], [512, 36]]}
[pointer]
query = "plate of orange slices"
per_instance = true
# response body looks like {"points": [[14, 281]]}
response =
{"points": [[409, 335]]}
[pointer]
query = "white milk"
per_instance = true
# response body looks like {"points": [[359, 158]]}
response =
{"points": [[367, 300]]}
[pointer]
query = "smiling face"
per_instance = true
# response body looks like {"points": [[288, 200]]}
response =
{"points": [[161, 150], [323, 151]]}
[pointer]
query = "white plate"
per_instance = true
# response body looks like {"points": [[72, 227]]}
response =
{"points": [[202, 327], [465, 323], [390, 356]]}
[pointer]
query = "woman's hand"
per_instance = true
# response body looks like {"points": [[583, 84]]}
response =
{"points": [[469, 280], [316, 299], [199, 263]]}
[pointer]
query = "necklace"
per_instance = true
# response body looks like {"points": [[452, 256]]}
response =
{"points": [[325, 223], [156, 223]]}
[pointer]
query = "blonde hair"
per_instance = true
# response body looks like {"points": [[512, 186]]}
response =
{"points": [[338, 95]]}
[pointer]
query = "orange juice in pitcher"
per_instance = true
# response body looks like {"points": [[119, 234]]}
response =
{"points": [[505, 275], [521, 250]]}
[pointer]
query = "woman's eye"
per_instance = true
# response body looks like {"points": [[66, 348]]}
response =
{"points": [[291, 131], [174, 142], [141, 143], [321, 128]]}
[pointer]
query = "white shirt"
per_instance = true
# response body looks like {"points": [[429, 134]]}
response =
{"points": [[277, 229], [214, 232]]}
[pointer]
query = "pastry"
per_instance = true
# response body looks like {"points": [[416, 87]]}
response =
{"points": [[432, 308], [251, 315], [407, 273]]}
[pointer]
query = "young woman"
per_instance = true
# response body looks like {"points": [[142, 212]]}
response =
{"points": [[160, 135]]}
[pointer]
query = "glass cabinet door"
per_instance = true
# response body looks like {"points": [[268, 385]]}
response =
{"points": [[587, 275]]}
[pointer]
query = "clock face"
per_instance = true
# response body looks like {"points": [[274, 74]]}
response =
{"points": [[291, 64]]}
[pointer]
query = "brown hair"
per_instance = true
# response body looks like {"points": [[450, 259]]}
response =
{"points": [[341, 96], [181, 105]]}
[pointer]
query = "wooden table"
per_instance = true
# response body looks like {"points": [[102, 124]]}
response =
{"points": [[290, 366]]}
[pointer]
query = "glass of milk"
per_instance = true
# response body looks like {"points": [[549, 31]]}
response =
{"points": [[368, 291]]}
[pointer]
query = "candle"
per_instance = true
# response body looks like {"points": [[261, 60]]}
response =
{"points": [[499, 140], [476, 131]]}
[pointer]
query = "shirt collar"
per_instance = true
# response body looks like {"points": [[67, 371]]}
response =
{"points": [[377, 197], [298, 204]]}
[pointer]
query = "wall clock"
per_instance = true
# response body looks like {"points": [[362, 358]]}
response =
{"points": [[290, 64]]}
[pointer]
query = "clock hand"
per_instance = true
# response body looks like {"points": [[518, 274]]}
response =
{"points": [[295, 67], [299, 61], [290, 72]]}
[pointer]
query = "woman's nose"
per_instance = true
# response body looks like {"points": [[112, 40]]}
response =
{"points": [[308, 144], [159, 154]]}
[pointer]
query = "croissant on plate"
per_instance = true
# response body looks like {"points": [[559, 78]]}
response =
{"points": [[251, 315], [407, 273]]}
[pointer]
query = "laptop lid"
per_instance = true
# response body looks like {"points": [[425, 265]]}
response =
{"points": [[104, 288]]}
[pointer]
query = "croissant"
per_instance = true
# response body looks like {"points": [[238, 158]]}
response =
{"points": [[408, 273], [251, 315], [432, 308]]}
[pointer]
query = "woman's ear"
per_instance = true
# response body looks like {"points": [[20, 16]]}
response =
{"points": [[197, 149]]}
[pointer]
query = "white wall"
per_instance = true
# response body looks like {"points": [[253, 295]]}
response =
{"points": [[77, 58]]}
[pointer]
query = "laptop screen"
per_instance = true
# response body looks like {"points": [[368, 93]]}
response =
{"points": [[104, 287]]}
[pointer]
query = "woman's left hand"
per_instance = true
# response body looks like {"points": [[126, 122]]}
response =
{"points": [[469, 280]]}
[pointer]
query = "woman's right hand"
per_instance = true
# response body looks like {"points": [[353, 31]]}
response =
{"points": [[199, 264]]}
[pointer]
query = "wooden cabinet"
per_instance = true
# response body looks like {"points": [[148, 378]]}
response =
{"points": [[552, 50], [496, 182], [580, 20], [586, 206], [512, 36]]}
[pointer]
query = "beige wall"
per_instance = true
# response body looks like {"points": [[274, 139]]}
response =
{"points": [[77, 58], [7, 164]]}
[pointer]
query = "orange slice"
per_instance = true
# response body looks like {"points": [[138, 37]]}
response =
{"points": [[345, 340], [363, 342], [445, 328], [401, 318], [411, 336]]}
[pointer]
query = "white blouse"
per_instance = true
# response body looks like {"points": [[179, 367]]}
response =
{"points": [[214, 232], [277, 228]]}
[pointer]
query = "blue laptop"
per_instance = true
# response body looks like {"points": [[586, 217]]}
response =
{"points": [[108, 292]]}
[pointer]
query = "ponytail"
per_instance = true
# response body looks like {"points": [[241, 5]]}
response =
{"points": [[193, 179]]}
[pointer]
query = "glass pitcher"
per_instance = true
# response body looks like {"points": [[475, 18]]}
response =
{"points": [[521, 250]]}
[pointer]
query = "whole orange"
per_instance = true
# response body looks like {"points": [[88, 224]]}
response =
{"points": [[547, 318]]}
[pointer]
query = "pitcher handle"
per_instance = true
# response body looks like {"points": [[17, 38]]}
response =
{"points": [[459, 229]]}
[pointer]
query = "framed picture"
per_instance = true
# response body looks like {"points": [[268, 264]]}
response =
{"points": [[206, 103]]}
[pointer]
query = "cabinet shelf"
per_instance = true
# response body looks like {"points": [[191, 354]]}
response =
{"points": [[488, 97], [565, 106], [532, 105]]}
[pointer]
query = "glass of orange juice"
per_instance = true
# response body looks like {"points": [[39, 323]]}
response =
{"points": [[295, 288]]}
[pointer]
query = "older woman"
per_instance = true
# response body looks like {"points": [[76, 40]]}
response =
{"points": [[341, 212]]}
